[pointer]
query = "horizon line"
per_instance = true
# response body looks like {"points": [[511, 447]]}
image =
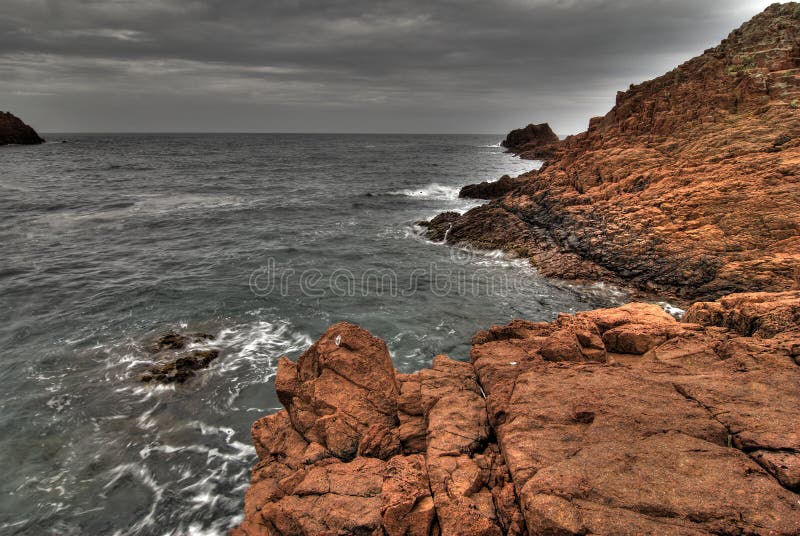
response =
{"points": [[326, 133]]}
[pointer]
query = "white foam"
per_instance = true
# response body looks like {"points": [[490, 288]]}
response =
{"points": [[434, 191]]}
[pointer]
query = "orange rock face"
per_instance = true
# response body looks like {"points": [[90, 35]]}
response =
{"points": [[690, 185], [616, 421]]}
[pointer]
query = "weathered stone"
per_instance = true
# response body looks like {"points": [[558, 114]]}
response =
{"points": [[689, 186], [341, 387]]}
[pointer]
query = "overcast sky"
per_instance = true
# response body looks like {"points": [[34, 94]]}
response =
{"points": [[482, 66]]}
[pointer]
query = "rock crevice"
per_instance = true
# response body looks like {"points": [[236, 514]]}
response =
{"points": [[611, 421]]}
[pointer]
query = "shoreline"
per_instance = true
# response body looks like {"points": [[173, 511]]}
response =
{"points": [[687, 188], [582, 425], [609, 421]]}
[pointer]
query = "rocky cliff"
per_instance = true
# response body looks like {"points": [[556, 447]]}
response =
{"points": [[14, 131], [689, 186], [618, 421]]}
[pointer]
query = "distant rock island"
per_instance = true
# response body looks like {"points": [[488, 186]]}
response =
{"points": [[14, 131]]}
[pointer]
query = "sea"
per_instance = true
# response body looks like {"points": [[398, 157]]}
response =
{"points": [[108, 241]]}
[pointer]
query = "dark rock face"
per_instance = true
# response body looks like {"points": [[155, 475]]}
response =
{"points": [[176, 367], [180, 369], [535, 141], [14, 131], [177, 341], [491, 190], [616, 421], [689, 186]]}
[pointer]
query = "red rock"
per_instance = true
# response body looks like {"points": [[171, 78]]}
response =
{"points": [[692, 431], [636, 446], [340, 388], [407, 503], [689, 186], [759, 314]]}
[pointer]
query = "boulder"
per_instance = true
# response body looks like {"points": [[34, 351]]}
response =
{"points": [[342, 393]]}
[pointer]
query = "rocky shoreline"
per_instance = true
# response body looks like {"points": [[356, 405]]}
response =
{"points": [[616, 421], [613, 421], [689, 187]]}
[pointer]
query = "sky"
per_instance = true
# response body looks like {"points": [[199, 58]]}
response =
{"points": [[412, 66]]}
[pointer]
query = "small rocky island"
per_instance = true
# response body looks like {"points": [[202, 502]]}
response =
{"points": [[615, 421], [14, 131]]}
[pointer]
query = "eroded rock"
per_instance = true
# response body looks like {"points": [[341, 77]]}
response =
{"points": [[614, 421], [342, 393], [689, 186]]}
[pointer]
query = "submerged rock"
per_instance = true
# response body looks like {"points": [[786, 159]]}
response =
{"points": [[180, 369], [176, 367], [614, 421], [14, 131], [177, 341]]}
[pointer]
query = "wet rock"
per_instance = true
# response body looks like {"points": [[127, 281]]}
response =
{"points": [[180, 369], [14, 131], [491, 190], [177, 341]]}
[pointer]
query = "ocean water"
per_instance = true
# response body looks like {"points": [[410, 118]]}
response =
{"points": [[262, 240]]}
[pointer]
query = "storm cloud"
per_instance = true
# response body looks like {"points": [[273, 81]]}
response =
{"points": [[341, 66]]}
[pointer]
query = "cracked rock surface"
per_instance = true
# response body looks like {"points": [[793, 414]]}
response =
{"points": [[616, 421]]}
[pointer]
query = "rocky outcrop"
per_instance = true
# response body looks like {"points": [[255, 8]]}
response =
{"points": [[14, 131], [491, 190], [180, 369], [533, 141], [616, 421], [689, 186], [174, 366]]}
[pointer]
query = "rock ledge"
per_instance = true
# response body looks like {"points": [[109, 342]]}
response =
{"points": [[616, 421]]}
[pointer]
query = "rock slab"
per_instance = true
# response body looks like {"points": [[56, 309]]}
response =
{"points": [[615, 421]]}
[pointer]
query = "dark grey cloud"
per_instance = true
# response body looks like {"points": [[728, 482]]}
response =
{"points": [[335, 65]]}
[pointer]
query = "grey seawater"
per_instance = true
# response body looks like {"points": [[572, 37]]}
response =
{"points": [[108, 240]]}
